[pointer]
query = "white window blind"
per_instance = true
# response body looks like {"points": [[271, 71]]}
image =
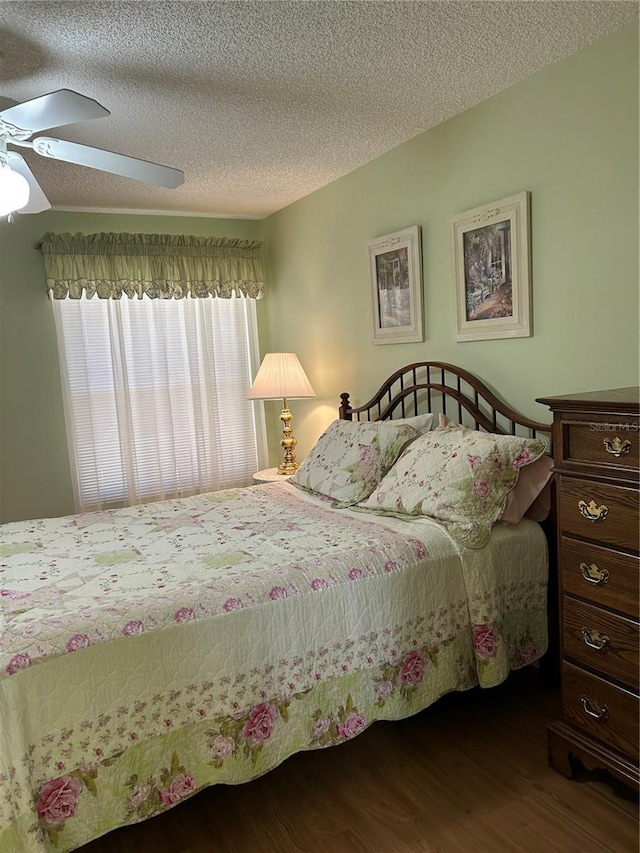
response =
{"points": [[155, 394]]}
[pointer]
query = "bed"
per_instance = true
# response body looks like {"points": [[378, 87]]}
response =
{"points": [[152, 651]]}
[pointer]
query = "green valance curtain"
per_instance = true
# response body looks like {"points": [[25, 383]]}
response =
{"points": [[160, 266]]}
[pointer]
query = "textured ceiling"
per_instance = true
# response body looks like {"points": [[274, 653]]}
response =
{"points": [[260, 103]]}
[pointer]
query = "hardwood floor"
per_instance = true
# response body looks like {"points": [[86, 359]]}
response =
{"points": [[468, 775]]}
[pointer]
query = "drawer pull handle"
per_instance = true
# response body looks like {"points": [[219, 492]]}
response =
{"points": [[592, 708], [594, 574], [617, 447], [592, 512], [594, 639]]}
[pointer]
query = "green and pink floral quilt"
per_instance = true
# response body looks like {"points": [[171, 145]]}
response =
{"points": [[149, 652]]}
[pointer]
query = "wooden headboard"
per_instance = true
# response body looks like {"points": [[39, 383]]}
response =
{"points": [[434, 386]]}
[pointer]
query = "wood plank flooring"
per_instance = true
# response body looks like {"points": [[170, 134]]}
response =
{"points": [[468, 775]]}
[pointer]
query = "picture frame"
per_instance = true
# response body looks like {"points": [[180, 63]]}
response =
{"points": [[395, 272], [492, 270]]}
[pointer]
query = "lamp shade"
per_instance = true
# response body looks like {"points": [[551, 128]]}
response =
{"points": [[14, 190], [280, 377]]}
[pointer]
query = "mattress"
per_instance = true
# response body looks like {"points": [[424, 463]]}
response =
{"points": [[148, 652]]}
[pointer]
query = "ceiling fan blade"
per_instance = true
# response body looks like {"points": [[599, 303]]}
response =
{"points": [[52, 110], [37, 199], [108, 161]]}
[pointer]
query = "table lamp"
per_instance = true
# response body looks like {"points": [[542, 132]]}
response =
{"points": [[281, 377]]}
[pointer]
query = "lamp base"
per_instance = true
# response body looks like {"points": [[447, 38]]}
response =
{"points": [[288, 468], [289, 464]]}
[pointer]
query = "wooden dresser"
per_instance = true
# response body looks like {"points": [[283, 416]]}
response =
{"points": [[596, 437]]}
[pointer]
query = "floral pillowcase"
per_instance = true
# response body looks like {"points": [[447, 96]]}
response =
{"points": [[457, 476], [351, 458]]}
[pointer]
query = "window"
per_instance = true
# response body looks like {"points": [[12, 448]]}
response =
{"points": [[497, 259], [155, 394]]}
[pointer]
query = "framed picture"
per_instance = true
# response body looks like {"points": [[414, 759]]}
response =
{"points": [[492, 270], [395, 268]]}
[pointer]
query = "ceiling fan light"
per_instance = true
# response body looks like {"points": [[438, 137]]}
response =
{"points": [[14, 190]]}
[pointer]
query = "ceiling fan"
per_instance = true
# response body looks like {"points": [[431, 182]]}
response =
{"points": [[19, 190]]}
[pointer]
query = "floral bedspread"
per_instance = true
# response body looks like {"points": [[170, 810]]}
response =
{"points": [[149, 652]]}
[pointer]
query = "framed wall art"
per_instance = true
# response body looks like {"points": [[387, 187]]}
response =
{"points": [[395, 269], [492, 270]]}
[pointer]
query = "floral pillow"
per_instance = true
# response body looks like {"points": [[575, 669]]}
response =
{"points": [[350, 458], [457, 476], [531, 495]]}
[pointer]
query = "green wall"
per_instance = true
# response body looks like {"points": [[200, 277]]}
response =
{"points": [[34, 463], [569, 135]]}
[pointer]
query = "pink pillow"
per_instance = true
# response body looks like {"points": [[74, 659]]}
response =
{"points": [[531, 496], [444, 421]]}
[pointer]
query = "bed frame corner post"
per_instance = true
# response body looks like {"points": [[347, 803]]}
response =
{"points": [[345, 407]]}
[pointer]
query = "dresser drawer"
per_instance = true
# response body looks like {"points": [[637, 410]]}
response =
{"points": [[601, 640], [600, 512], [609, 441], [605, 577], [600, 709]]}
